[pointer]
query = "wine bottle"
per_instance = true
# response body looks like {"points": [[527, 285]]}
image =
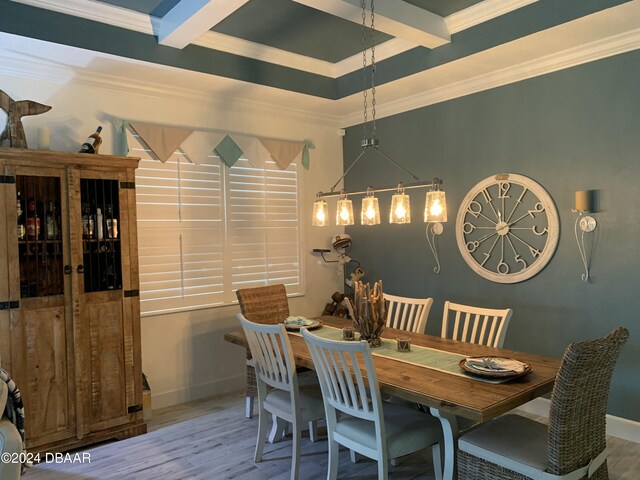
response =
{"points": [[51, 222], [88, 224], [99, 224], [112, 223], [92, 145], [22, 231], [33, 221]]}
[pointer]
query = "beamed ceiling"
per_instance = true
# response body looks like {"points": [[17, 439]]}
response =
{"points": [[307, 54]]}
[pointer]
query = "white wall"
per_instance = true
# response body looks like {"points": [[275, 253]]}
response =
{"points": [[184, 355]]}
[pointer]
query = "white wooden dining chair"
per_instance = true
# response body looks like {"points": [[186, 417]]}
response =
{"points": [[408, 314], [278, 390], [356, 416], [483, 326]]}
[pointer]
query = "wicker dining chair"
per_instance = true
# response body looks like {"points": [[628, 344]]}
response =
{"points": [[261, 305], [573, 446]]}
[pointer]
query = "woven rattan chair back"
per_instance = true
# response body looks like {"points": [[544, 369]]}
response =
{"points": [[408, 314], [483, 326], [577, 417], [267, 305], [264, 304]]}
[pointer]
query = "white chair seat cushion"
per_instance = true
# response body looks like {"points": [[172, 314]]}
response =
{"points": [[310, 402], [511, 441], [406, 429]]}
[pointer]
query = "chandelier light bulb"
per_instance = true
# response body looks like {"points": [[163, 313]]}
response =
{"points": [[400, 207], [370, 214], [320, 212], [344, 211], [435, 209]]}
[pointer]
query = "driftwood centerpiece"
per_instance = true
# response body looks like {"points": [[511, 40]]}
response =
{"points": [[369, 312]]}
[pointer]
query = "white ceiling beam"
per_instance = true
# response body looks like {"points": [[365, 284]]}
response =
{"points": [[189, 19], [394, 17]]}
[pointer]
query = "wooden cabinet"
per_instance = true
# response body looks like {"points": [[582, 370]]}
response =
{"points": [[69, 298]]}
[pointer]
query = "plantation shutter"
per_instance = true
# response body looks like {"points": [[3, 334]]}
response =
{"points": [[180, 231], [206, 230], [264, 226]]}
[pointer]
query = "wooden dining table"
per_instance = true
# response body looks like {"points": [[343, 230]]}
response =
{"points": [[448, 396]]}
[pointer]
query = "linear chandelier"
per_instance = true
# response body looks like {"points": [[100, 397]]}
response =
{"points": [[435, 210]]}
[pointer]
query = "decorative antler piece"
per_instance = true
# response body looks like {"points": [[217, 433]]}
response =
{"points": [[13, 134]]}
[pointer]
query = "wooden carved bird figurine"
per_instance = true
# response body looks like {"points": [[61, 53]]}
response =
{"points": [[13, 135]]}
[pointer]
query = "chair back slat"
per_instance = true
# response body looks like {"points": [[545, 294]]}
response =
{"points": [[271, 352], [406, 313], [264, 304], [577, 416], [340, 367], [483, 326]]}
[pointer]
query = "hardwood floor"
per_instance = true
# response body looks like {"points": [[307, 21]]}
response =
{"points": [[211, 439]]}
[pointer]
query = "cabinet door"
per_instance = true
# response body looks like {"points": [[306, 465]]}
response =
{"points": [[104, 330], [40, 353]]}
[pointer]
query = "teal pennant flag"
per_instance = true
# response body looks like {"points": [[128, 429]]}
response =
{"points": [[228, 151]]}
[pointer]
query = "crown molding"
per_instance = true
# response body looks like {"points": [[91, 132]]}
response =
{"points": [[613, 45], [482, 12], [65, 75]]}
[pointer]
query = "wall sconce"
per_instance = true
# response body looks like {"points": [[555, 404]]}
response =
{"points": [[584, 223], [435, 212]]}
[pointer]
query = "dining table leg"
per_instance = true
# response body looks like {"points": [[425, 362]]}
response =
{"points": [[450, 432]]}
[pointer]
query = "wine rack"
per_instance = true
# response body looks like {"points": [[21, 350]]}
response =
{"points": [[100, 236], [39, 239]]}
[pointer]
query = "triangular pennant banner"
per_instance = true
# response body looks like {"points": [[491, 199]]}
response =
{"points": [[253, 150], [199, 145], [162, 140], [283, 152], [228, 151]]}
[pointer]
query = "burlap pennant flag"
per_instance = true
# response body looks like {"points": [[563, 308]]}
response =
{"points": [[253, 150], [163, 141], [282, 151], [200, 145]]}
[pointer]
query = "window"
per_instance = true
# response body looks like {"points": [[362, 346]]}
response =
{"points": [[206, 230]]}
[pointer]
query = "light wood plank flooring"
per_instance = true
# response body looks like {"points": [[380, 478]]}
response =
{"points": [[210, 439]]}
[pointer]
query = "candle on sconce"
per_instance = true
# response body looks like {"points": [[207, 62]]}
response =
{"points": [[44, 138], [583, 201]]}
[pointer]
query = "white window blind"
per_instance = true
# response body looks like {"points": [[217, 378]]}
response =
{"points": [[206, 230]]}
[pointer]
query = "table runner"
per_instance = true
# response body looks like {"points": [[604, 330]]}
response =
{"points": [[427, 357]]}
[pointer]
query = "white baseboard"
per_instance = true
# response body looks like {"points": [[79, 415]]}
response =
{"points": [[616, 426], [195, 392]]}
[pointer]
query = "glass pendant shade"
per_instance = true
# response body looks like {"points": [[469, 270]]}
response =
{"points": [[370, 214], [400, 208], [320, 213], [344, 212], [435, 208]]}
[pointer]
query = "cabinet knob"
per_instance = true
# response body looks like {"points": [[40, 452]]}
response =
{"points": [[80, 269], [67, 269]]}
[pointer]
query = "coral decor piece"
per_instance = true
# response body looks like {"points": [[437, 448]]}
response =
{"points": [[369, 312], [13, 134]]}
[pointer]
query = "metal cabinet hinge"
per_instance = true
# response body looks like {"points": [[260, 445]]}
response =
{"points": [[7, 179], [134, 408], [128, 185]]}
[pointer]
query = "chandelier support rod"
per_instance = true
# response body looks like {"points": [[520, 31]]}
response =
{"points": [[406, 186], [347, 171], [397, 164]]}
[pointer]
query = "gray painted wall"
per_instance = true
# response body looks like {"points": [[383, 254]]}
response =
{"points": [[576, 129]]}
